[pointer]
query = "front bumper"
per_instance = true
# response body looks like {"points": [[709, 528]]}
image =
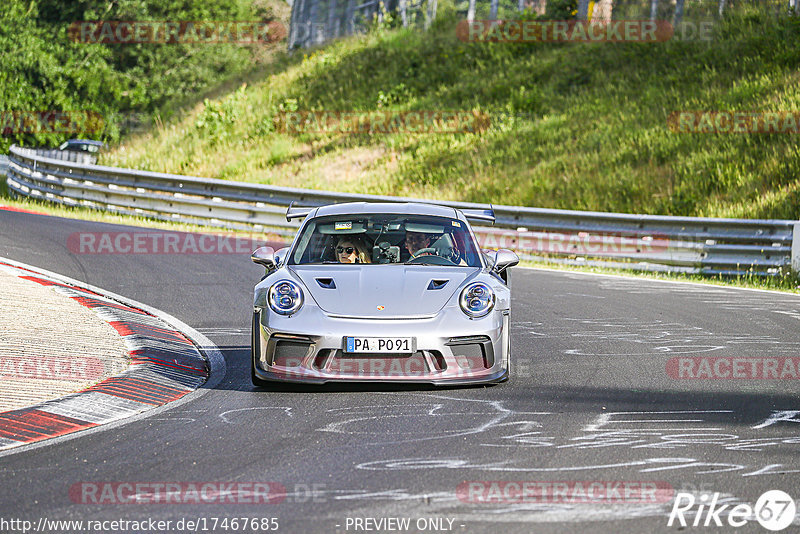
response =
{"points": [[449, 350]]}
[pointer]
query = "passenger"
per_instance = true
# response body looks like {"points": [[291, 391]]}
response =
{"points": [[351, 250]]}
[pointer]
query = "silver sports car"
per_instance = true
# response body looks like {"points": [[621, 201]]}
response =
{"points": [[383, 292]]}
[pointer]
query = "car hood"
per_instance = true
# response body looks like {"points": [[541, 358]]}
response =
{"points": [[382, 291]]}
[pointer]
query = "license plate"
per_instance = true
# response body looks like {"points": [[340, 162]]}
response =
{"points": [[379, 344]]}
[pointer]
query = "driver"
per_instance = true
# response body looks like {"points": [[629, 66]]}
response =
{"points": [[417, 241]]}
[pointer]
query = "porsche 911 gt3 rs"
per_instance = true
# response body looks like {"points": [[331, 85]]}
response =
{"points": [[397, 292]]}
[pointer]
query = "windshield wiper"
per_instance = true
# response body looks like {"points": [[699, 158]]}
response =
{"points": [[410, 262]]}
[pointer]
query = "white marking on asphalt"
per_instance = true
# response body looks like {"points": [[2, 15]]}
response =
{"points": [[225, 331], [224, 415], [603, 420], [785, 415], [497, 414], [770, 470]]}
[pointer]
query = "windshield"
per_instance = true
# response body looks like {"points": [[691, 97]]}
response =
{"points": [[386, 238]]}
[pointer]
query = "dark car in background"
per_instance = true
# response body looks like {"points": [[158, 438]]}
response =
{"points": [[88, 146]]}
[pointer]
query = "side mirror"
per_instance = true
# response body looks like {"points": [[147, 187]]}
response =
{"points": [[280, 256], [504, 259], [264, 256]]}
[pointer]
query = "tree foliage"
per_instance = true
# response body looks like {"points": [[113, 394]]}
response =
{"points": [[44, 70]]}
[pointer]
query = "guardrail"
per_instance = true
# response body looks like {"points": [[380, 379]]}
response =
{"points": [[67, 155], [641, 242]]}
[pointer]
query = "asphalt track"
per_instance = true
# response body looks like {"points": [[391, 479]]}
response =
{"points": [[589, 399]]}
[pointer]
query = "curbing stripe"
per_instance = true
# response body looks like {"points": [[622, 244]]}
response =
{"points": [[141, 357], [46, 282], [29, 424], [165, 366], [156, 346], [108, 307], [140, 390], [127, 328], [109, 315], [158, 375], [95, 407]]}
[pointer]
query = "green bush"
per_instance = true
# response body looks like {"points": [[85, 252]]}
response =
{"points": [[43, 69]]}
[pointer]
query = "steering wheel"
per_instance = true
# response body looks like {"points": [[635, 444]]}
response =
{"points": [[430, 255], [429, 251]]}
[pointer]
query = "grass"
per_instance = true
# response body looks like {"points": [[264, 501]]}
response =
{"points": [[574, 126]]}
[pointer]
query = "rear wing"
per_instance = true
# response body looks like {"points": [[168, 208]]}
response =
{"points": [[479, 215], [297, 212]]}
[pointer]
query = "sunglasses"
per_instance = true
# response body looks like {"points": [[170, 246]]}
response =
{"points": [[349, 250]]}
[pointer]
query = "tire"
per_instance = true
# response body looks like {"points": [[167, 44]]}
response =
{"points": [[508, 354], [508, 369], [255, 349], [508, 364]]}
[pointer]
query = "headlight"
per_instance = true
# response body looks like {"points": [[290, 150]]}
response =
{"points": [[285, 297], [477, 299]]}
